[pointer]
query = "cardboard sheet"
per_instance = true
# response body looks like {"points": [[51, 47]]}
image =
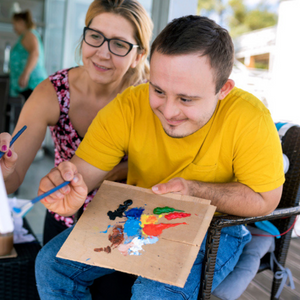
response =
{"points": [[171, 254]]}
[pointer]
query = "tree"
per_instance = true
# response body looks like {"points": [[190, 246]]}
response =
{"points": [[244, 20], [241, 19]]}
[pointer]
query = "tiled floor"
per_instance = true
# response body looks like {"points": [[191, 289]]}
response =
{"points": [[28, 190]]}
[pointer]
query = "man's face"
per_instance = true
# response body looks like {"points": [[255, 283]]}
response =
{"points": [[182, 92]]}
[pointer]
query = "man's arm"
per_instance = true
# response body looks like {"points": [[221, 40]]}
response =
{"points": [[84, 178], [232, 198]]}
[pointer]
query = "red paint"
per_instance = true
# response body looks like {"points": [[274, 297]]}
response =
{"points": [[157, 229], [176, 215]]}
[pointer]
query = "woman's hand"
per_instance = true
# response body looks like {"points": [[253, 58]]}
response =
{"points": [[68, 199], [9, 159]]}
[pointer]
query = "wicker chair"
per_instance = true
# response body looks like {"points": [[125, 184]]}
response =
{"points": [[283, 218]]}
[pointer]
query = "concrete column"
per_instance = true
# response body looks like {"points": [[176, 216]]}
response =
{"points": [[284, 96], [164, 11]]}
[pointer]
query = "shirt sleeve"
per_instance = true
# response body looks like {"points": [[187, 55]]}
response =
{"points": [[258, 158], [106, 140]]}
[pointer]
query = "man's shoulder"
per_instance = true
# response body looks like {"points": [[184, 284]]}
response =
{"points": [[136, 91], [242, 98], [243, 103], [135, 95]]}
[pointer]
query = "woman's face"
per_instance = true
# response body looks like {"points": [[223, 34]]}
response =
{"points": [[103, 66], [19, 26]]}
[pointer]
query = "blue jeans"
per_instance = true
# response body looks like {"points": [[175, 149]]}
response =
{"points": [[59, 278], [233, 286]]}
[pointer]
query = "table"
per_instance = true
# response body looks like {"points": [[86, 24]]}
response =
{"points": [[17, 278]]}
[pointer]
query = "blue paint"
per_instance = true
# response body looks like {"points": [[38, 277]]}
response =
{"points": [[134, 213], [151, 240], [17, 210], [132, 227], [105, 231]]}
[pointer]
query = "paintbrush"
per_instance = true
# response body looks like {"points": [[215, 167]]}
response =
{"points": [[14, 139], [23, 210]]}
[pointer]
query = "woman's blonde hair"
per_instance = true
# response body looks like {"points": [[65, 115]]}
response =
{"points": [[26, 17], [135, 13]]}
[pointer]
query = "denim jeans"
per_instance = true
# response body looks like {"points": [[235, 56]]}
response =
{"points": [[233, 286], [59, 278]]}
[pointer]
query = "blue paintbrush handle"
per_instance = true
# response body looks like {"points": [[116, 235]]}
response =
{"points": [[14, 139], [40, 197]]}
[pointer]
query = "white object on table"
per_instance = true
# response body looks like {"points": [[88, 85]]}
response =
{"points": [[21, 234], [6, 221]]}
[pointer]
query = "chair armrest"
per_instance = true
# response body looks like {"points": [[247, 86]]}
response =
{"points": [[220, 221]]}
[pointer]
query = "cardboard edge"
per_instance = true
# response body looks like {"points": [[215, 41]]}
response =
{"points": [[182, 277], [205, 224], [148, 191]]}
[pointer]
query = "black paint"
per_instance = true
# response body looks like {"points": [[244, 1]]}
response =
{"points": [[120, 210]]}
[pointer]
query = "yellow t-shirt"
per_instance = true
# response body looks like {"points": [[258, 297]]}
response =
{"points": [[239, 143]]}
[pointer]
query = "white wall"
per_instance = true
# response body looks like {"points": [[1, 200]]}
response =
{"points": [[284, 99]]}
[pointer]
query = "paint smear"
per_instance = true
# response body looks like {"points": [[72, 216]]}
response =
{"points": [[166, 209], [105, 249], [137, 244], [139, 229], [176, 215], [157, 229], [105, 231], [116, 238], [120, 210], [134, 213], [132, 227], [148, 219]]}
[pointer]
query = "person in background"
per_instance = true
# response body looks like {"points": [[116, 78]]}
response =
{"points": [[202, 137], [27, 66], [114, 49]]}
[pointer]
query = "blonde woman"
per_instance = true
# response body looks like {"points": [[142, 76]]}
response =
{"points": [[114, 49]]}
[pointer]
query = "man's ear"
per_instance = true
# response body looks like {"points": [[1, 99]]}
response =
{"points": [[227, 87]]}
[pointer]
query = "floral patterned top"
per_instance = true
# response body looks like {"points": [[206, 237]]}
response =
{"points": [[66, 139]]}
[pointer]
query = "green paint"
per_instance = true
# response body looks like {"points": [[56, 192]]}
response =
{"points": [[166, 209]]}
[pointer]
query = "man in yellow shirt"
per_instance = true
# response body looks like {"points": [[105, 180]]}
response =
{"points": [[188, 130]]}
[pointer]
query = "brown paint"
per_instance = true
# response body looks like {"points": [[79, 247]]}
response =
{"points": [[116, 238]]}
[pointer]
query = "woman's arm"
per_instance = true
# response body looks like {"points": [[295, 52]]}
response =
{"points": [[39, 111], [31, 44], [118, 173]]}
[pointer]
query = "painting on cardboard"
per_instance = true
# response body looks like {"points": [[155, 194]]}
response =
{"points": [[132, 230]]}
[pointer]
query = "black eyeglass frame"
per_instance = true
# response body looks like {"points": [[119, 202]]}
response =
{"points": [[131, 46]]}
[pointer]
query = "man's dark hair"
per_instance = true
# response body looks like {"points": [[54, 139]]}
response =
{"points": [[196, 34]]}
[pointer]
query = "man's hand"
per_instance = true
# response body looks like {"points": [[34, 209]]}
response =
{"points": [[231, 198], [176, 185], [68, 199], [9, 159]]}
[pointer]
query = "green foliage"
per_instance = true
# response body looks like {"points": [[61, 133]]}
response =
{"points": [[241, 19], [244, 20], [257, 19]]}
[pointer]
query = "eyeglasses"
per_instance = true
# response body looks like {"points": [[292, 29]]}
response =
{"points": [[96, 39]]}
